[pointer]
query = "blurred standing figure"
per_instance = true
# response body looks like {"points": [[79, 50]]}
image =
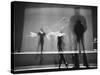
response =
{"points": [[60, 49], [41, 35], [78, 27]]}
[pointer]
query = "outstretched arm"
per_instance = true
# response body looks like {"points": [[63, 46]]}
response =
{"points": [[49, 34], [32, 34], [55, 34]]}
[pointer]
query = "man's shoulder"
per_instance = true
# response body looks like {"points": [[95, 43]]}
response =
{"points": [[77, 15], [82, 16], [74, 16]]}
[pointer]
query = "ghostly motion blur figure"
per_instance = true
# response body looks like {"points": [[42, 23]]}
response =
{"points": [[78, 27], [41, 35], [60, 46]]}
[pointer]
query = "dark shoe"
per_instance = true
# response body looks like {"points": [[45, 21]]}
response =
{"points": [[59, 68], [87, 66], [66, 65], [76, 67]]}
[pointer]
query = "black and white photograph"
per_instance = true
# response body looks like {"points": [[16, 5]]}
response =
{"points": [[53, 37]]}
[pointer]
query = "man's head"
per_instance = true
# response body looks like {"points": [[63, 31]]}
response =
{"points": [[41, 29], [77, 10], [61, 31]]}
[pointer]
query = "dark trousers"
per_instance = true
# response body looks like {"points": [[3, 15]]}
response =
{"points": [[41, 44], [61, 57], [76, 60], [76, 55]]}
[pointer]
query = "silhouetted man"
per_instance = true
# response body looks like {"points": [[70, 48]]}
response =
{"points": [[78, 26], [60, 49]]}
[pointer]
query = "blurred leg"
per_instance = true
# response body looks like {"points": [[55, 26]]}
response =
{"points": [[41, 59], [63, 59], [85, 62], [60, 60], [41, 56], [38, 45], [75, 56], [42, 44], [79, 46]]}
